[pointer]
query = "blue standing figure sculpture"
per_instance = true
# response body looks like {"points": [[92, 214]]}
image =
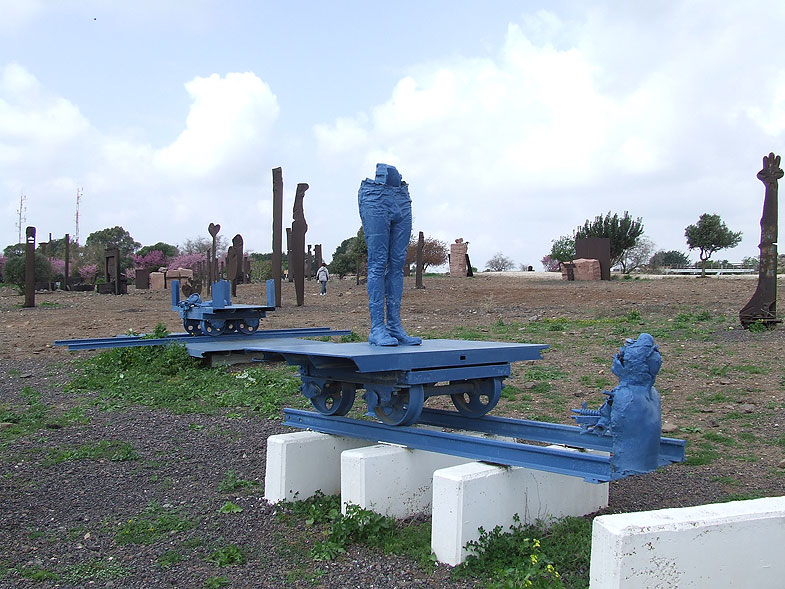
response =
{"points": [[386, 213]]}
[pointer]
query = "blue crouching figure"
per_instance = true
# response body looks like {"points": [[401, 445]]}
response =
{"points": [[386, 213], [631, 414]]}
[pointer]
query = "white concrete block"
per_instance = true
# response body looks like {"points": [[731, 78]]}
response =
{"points": [[476, 495], [737, 544], [391, 480], [301, 463]]}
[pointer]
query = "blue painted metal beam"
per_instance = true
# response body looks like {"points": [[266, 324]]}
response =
{"points": [[431, 354], [591, 467], [671, 449], [127, 341]]}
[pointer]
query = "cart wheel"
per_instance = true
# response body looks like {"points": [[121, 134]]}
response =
{"points": [[230, 326], [212, 328], [404, 408], [248, 326], [483, 397], [192, 326], [335, 398]]}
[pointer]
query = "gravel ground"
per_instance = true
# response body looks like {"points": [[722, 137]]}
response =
{"points": [[60, 515]]}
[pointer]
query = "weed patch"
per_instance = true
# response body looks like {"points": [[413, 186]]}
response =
{"points": [[167, 377], [155, 522], [114, 451], [227, 556], [231, 482]]}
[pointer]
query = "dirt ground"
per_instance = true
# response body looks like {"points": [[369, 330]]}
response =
{"points": [[722, 388]]}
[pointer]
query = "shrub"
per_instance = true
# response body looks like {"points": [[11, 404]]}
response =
{"points": [[14, 270]]}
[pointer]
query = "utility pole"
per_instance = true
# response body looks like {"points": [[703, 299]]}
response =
{"points": [[20, 215], [79, 192]]}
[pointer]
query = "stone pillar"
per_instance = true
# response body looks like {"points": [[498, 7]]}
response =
{"points": [[458, 253]]}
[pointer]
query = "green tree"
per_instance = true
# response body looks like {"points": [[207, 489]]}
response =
{"points": [[98, 241], [15, 249], [563, 249], [623, 232], [14, 270], [671, 258], [168, 250], [708, 235], [350, 256]]}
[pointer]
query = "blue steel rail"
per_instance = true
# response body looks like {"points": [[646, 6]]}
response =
{"points": [[230, 341], [592, 467]]}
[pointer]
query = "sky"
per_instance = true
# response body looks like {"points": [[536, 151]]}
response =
{"points": [[512, 121]]}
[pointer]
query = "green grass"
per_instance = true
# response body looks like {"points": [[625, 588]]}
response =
{"points": [[555, 555], [152, 524], [30, 415], [167, 377], [225, 556], [114, 451], [231, 483]]}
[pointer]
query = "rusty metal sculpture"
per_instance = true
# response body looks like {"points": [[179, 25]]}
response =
{"points": [[419, 262], [30, 267], [234, 262], [297, 256], [762, 307], [277, 232], [212, 276]]}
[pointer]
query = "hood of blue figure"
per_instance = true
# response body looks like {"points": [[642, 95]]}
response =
{"points": [[388, 175], [638, 362]]}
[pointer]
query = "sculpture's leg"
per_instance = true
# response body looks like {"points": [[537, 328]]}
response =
{"points": [[400, 232], [376, 226]]}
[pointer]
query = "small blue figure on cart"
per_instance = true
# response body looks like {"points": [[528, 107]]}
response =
{"points": [[386, 213]]}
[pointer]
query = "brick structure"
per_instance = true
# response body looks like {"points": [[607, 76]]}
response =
{"points": [[583, 269], [458, 251]]}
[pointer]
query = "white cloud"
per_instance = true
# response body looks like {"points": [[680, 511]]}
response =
{"points": [[553, 130], [228, 125]]}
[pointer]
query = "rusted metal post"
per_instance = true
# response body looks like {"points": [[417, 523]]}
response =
{"points": [[289, 253], [67, 261], [317, 249], [213, 229], [418, 272], [299, 229], [277, 231], [30, 267], [763, 304]]}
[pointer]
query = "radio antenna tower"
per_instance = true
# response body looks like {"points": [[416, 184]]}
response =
{"points": [[20, 214], [79, 192]]}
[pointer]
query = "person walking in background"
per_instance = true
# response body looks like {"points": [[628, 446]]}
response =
{"points": [[323, 275]]}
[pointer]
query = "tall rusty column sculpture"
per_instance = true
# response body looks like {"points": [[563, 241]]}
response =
{"points": [[30, 267], [297, 256], [386, 213], [277, 231], [418, 271], [763, 304]]}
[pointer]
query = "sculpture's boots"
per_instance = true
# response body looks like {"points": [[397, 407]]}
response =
{"points": [[378, 335], [394, 327]]}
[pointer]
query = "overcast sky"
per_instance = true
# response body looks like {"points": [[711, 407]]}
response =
{"points": [[512, 121]]}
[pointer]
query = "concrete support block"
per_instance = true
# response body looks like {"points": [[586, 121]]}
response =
{"points": [[737, 544], [391, 480], [301, 463], [476, 495]]}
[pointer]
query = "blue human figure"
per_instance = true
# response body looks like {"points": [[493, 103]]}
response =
{"points": [[386, 213]]}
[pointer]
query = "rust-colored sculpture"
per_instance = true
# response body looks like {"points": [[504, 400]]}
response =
{"points": [[299, 228], [418, 271], [762, 307], [277, 231], [234, 262], [30, 267], [213, 229]]}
